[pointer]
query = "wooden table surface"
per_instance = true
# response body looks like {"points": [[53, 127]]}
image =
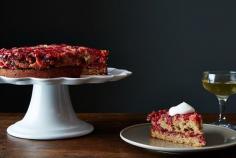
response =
{"points": [[103, 142]]}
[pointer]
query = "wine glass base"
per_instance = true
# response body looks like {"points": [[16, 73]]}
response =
{"points": [[225, 124]]}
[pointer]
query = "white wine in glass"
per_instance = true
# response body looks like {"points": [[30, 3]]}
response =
{"points": [[222, 84]]}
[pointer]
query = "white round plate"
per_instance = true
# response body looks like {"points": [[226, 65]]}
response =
{"points": [[216, 137], [113, 75]]}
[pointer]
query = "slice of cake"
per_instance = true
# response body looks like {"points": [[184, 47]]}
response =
{"points": [[48, 61], [179, 124]]}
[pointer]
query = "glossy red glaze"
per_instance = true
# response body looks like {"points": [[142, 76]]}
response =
{"points": [[155, 116], [46, 56]]}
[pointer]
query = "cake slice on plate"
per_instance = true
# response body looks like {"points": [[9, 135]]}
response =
{"points": [[179, 124]]}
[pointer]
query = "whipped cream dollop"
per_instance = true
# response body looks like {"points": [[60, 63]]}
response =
{"points": [[182, 108]]}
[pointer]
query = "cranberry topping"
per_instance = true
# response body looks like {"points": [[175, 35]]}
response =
{"points": [[162, 115], [45, 56]]}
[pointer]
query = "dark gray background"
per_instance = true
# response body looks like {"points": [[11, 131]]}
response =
{"points": [[166, 44]]}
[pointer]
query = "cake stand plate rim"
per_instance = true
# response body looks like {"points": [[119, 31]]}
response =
{"points": [[114, 74]]}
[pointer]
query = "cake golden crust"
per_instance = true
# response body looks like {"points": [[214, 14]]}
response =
{"points": [[49, 73], [179, 138]]}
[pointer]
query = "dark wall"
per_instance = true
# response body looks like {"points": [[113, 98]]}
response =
{"points": [[166, 44]]}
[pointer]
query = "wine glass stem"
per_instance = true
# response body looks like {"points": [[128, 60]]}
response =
{"points": [[222, 102]]}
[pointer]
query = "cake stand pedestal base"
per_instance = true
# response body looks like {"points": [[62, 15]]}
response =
{"points": [[50, 116]]}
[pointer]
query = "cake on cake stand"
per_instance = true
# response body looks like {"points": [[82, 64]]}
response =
{"points": [[50, 114]]}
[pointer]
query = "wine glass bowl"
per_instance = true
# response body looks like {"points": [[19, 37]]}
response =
{"points": [[222, 84]]}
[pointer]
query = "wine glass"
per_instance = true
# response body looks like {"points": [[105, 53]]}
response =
{"points": [[222, 84]]}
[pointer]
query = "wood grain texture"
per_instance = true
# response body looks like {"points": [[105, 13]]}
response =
{"points": [[103, 142]]}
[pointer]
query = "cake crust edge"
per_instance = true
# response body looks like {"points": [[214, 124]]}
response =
{"points": [[48, 73], [179, 138]]}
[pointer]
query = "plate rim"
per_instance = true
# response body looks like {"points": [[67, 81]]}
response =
{"points": [[176, 150], [115, 74]]}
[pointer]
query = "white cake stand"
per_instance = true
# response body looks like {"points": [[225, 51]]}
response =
{"points": [[50, 114]]}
